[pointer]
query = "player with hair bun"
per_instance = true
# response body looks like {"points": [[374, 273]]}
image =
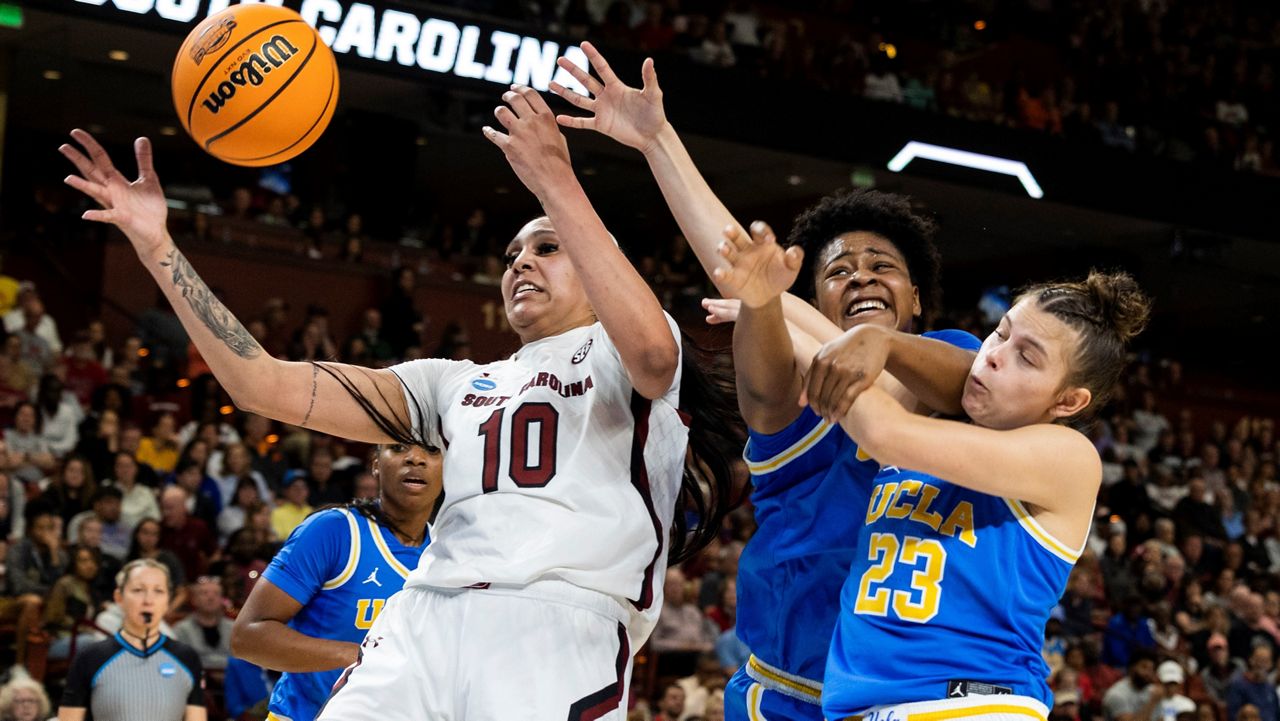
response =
{"points": [[973, 527]]}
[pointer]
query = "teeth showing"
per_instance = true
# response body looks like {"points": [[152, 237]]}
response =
{"points": [[523, 288], [867, 305]]}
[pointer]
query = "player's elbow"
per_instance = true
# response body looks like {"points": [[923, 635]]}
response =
{"points": [[242, 639], [257, 394], [656, 370]]}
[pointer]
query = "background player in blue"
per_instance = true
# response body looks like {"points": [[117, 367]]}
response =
{"points": [[309, 613], [872, 262], [972, 528]]}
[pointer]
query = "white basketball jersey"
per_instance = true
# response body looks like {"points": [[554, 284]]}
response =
{"points": [[554, 468]]}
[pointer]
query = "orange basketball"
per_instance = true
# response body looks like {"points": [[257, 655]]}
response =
{"points": [[254, 84]]}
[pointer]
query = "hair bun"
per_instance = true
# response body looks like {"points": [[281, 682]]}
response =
{"points": [[1122, 305]]}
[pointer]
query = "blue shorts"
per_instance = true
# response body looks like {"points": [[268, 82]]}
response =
{"points": [[746, 700]]}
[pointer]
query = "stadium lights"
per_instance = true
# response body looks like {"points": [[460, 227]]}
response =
{"points": [[965, 159]]}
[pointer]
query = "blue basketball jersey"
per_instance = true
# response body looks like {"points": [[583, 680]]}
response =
{"points": [[811, 485], [342, 567], [948, 596]]}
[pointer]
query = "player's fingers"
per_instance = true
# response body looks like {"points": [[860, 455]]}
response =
{"points": [[723, 275], [495, 137], [733, 234], [100, 159], [100, 216], [573, 97], [599, 63], [794, 257], [78, 159], [519, 104], [720, 310], [580, 74], [649, 76], [93, 190], [727, 251], [570, 121], [847, 398], [142, 151], [761, 232], [534, 98], [505, 116], [820, 383]]}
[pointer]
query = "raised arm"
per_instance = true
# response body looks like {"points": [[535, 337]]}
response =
{"points": [[303, 394], [624, 304], [766, 361], [1050, 466], [261, 636], [635, 117]]}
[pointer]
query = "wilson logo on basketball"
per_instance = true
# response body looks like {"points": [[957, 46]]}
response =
{"points": [[212, 39], [275, 52]]}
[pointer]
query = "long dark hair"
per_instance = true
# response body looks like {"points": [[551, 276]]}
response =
{"points": [[716, 437], [708, 396]]}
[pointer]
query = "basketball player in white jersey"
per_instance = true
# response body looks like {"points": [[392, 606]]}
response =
{"points": [[565, 463]]}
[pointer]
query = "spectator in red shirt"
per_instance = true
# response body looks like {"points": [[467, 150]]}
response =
{"points": [[187, 537], [84, 374]]}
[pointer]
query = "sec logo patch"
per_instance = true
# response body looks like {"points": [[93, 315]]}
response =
{"points": [[581, 354]]}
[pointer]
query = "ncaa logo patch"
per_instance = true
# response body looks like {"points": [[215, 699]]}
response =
{"points": [[168, 670], [582, 352], [483, 384]]}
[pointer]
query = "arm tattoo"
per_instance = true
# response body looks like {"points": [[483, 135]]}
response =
{"points": [[315, 371], [209, 309]]}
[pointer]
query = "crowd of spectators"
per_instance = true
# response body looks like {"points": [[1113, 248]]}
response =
{"points": [[102, 461], [1188, 81]]}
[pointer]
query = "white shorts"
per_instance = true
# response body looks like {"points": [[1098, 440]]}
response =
{"points": [[969, 708], [549, 651]]}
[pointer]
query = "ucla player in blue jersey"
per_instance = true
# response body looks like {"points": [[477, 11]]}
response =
{"points": [[322, 591], [972, 528], [872, 263]]}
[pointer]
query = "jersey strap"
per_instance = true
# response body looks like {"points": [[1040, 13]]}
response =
{"points": [[353, 556], [775, 679], [1044, 538], [376, 532]]}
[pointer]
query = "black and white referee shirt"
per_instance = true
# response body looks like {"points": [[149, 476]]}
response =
{"points": [[115, 681]]}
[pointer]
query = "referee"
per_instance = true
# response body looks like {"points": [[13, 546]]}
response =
{"points": [[139, 673]]}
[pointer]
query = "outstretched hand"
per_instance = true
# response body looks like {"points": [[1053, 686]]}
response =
{"points": [[533, 143], [758, 269], [137, 208], [631, 116]]}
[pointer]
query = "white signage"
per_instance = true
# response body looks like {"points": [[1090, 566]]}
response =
{"points": [[406, 39]]}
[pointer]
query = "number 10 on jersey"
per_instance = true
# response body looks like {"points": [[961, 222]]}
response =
{"points": [[531, 426]]}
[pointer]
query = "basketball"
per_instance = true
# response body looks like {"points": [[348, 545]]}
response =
{"points": [[254, 84]]}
